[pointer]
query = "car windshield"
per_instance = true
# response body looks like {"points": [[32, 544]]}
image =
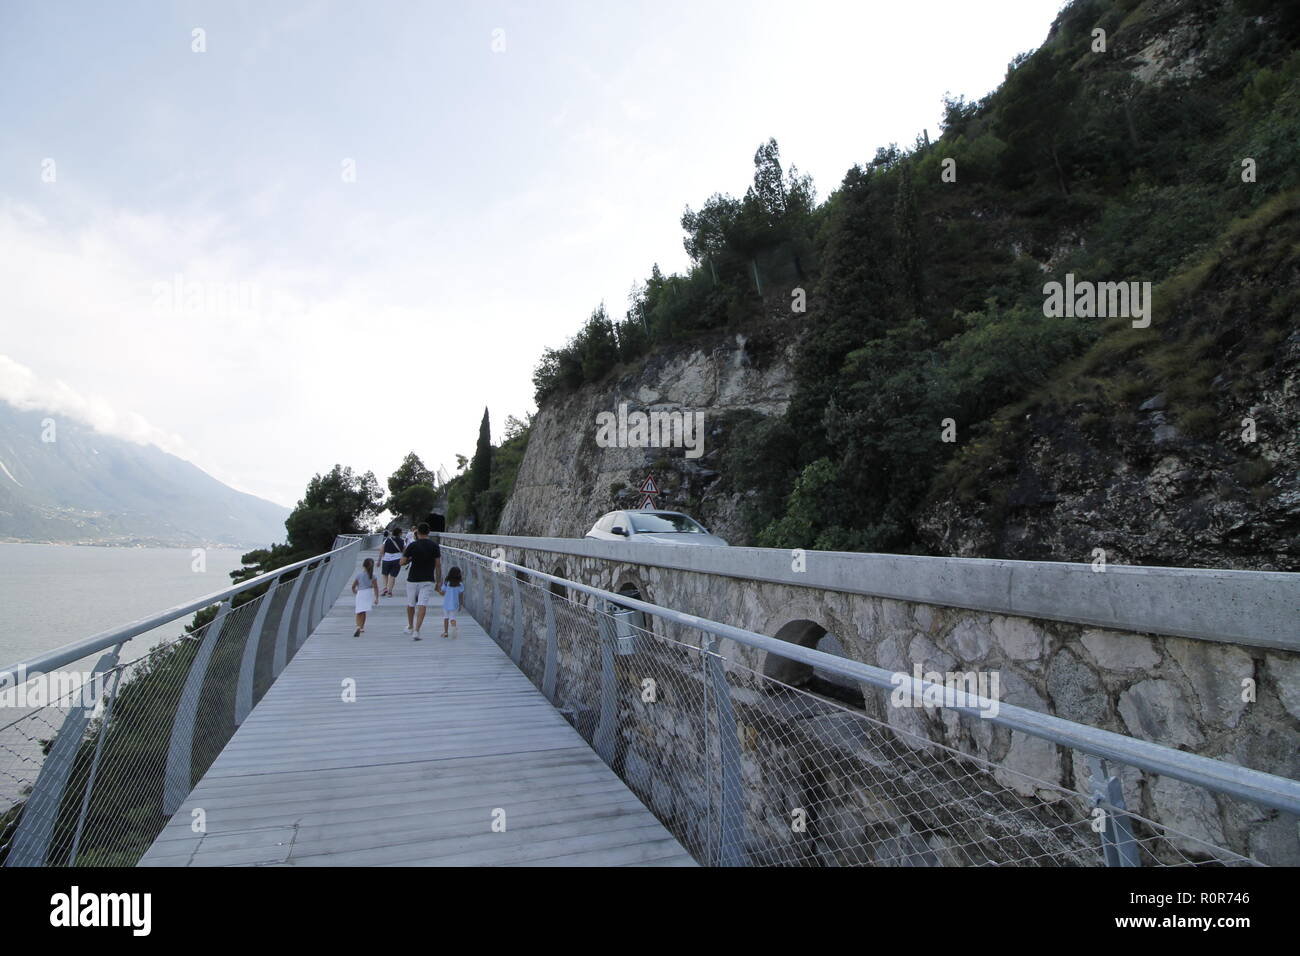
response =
{"points": [[652, 522]]}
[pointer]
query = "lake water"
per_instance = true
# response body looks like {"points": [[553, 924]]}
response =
{"points": [[51, 595]]}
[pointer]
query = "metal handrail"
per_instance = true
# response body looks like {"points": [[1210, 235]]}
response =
{"points": [[1203, 604], [1265, 789], [49, 660]]}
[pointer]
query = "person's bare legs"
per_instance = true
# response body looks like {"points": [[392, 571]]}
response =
{"points": [[361, 622], [419, 619], [444, 626], [410, 618]]}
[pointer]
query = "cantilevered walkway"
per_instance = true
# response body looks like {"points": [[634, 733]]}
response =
{"points": [[447, 756]]}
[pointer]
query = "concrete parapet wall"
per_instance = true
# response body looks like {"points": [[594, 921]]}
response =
{"points": [[1258, 608]]}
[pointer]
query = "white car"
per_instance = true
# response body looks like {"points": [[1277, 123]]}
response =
{"points": [[656, 527]]}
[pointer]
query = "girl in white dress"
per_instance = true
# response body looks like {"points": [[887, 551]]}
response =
{"points": [[366, 588]]}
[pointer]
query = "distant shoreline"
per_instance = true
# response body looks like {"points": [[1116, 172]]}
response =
{"points": [[134, 544]]}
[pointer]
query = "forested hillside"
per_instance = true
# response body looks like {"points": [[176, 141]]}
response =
{"points": [[936, 405]]}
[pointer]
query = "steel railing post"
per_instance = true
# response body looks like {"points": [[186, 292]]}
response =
{"points": [[467, 577], [323, 575], [548, 669], [354, 558], [480, 593], [343, 565], [286, 620], [176, 780], [327, 570], [320, 606], [517, 639], [305, 622], [347, 566], [107, 697], [31, 842], [495, 627], [248, 660], [607, 727], [731, 819], [1117, 844], [335, 584]]}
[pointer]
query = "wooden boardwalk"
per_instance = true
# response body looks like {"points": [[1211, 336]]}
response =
{"points": [[442, 735]]}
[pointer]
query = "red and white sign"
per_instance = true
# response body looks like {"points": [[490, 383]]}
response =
{"points": [[648, 487], [647, 503]]}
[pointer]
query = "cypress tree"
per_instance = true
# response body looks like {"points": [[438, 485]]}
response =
{"points": [[480, 470]]}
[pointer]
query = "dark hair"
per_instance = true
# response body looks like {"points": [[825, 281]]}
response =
{"points": [[453, 577], [369, 565], [423, 529]]}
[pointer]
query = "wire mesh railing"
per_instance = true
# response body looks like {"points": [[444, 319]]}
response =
{"points": [[102, 741], [745, 769]]}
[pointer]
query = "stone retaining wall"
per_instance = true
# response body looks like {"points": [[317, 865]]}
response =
{"points": [[1228, 699]]}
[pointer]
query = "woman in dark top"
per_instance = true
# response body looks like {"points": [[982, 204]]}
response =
{"points": [[390, 558]]}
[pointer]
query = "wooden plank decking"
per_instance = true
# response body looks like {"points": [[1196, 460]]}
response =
{"points": [[441, 734]]}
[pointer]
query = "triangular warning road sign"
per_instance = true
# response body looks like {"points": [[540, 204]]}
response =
{"points": [[648, 486], [647, 503]]}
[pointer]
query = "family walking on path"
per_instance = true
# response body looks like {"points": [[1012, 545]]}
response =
{"points": [[422, 581]]}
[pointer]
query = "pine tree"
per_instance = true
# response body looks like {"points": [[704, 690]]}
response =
{"points": [[907, 257], [410, 472]]}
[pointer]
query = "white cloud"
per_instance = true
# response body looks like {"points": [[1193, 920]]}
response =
{"points": [[24, 389]]}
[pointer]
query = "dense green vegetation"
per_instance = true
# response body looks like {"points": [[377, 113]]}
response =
{"points": [[338, 502], [412, 491], [924, 269], [1228, 313], [479, 493], [739, 248]]}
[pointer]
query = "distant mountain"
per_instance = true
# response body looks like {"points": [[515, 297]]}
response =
{"points": [[90, 488]]}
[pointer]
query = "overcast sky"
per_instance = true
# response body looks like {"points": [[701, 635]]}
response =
{"points": [[499, 195]]}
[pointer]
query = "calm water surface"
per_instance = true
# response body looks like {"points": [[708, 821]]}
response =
{"points": [[52, 594]]}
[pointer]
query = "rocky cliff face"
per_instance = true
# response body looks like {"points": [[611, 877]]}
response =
{"points": [[567, 480], [1183, 451], [1143, 492]]}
